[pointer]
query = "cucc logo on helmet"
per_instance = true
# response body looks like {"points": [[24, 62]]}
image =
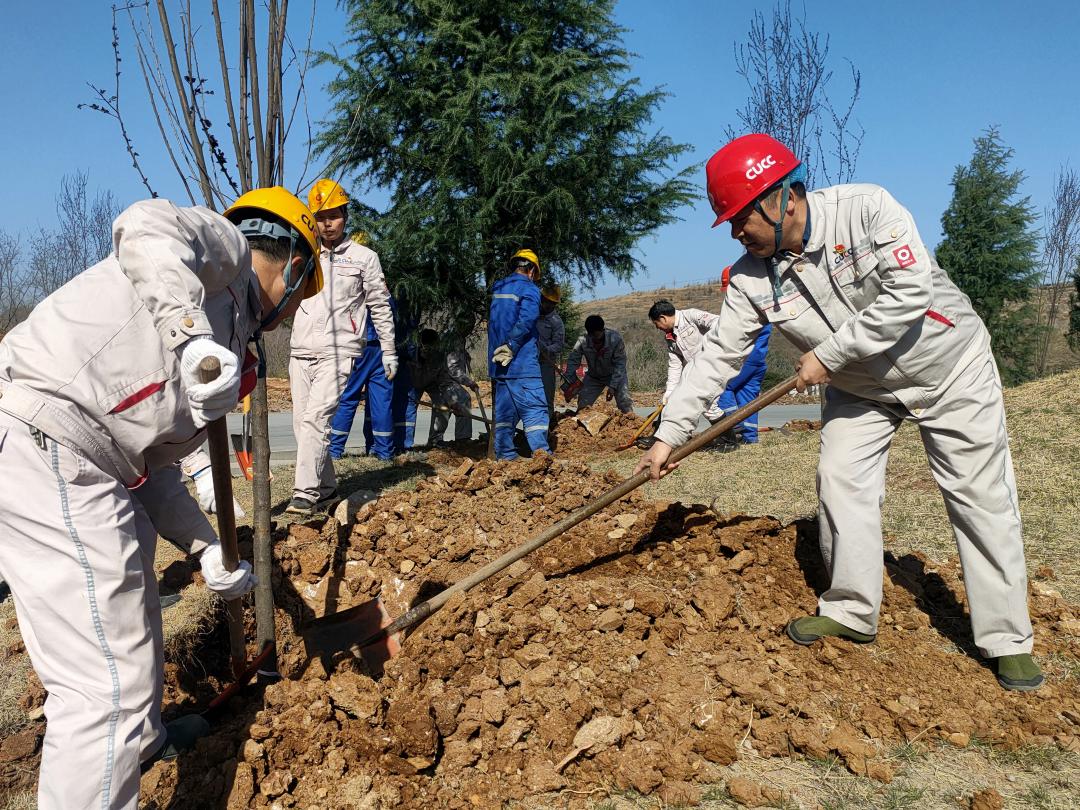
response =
{"points": [[760, 166]]}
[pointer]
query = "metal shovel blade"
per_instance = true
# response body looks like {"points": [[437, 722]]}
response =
{"points": [[242, 451], [345, 630]]}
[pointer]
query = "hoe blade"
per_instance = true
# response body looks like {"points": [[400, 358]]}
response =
{"points": [[344, 630]]}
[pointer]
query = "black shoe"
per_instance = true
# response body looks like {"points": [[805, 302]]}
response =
{"points": [[300, 506], [328, 502], [180, 736]]}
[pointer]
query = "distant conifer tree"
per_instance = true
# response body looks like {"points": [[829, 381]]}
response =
{"points": [[990, 250]]}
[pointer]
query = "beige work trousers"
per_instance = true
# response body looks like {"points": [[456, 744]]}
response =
{"points": [[967, 447], [78, 553], [316, 384]]}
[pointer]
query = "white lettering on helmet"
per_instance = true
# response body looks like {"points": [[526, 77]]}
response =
{"points": [[763, 164]]}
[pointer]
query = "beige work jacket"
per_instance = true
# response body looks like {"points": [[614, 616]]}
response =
{"points": [[333, 324], [96, 365], [686, 339], [865, 295]]}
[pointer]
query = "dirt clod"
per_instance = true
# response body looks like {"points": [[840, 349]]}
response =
{"points": [[988, 799]]}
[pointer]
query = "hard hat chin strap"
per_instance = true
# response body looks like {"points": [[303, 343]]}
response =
{"points": [[778, 234], [290, 287], [257, 226]]}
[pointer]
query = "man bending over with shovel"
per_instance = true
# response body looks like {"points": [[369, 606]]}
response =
{"points": [[99, 398], [844, 275]]}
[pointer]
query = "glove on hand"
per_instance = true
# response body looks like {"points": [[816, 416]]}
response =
{"points": [[204, 485], [389, 367], [609, 395], [212, 400], [227, 584], [503, 355]]}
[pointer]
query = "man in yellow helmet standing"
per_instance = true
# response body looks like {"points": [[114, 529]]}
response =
{"points": [[329, 334], [99, 398], [514, 363]]}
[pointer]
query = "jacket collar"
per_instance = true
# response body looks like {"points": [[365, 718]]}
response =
{"points": [[814, 238], [338, 250]]}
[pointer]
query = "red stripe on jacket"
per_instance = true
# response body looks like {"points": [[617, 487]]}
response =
{"points": [[138, 396], [937, 316]]}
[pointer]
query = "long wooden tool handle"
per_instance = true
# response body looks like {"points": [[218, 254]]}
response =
{"points": [[217, 435], [426, 608], [648, 421]]}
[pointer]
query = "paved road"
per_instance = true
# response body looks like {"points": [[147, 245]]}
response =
{"points": [[283, 443]]}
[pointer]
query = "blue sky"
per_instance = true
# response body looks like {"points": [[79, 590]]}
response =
{"points": [[934, 75]]}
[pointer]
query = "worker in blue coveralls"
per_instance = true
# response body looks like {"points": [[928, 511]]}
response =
{"points": [[514, 362], [367, 379], [744, 386]]}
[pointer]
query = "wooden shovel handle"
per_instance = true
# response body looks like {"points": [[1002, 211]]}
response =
{"points": [[217, 435], [426, 608]]}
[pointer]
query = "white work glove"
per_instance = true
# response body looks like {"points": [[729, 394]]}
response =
{"points": [[227, 584], [389, 367], [212, 400], [204, 485], [503, 355]]}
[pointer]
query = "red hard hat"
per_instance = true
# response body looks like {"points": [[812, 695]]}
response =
{"points": [[741, 171], [725, 278]]}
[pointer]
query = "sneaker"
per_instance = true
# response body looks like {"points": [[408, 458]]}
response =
{"points": [[808, 629], [300, 506], [328, 502], [1018, 673]]}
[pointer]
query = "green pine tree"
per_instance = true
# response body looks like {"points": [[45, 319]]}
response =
{"points": [[497, 125], [990, 251]]}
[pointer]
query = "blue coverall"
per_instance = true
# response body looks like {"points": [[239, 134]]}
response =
{"points": [[404, 402], [519, 389], [746, 385], [367, 373]]}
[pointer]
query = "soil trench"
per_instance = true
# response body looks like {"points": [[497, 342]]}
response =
{"points": [[639, 651]]}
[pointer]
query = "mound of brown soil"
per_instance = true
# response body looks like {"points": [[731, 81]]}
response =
{"points": [[573, 441], [641, 649]]}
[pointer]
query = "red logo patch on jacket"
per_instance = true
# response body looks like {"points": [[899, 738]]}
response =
{"points": [[905, 256]]}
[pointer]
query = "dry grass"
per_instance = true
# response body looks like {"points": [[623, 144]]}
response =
{"points": [[21, 801], [777, 477], [14, 671]]}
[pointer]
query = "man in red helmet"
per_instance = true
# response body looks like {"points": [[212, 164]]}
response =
{"points": [[843, 273]]}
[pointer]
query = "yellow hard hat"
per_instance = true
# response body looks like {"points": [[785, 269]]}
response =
{"points": [[326, 195], [552, 293], [528, 255], [285, 209]]}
